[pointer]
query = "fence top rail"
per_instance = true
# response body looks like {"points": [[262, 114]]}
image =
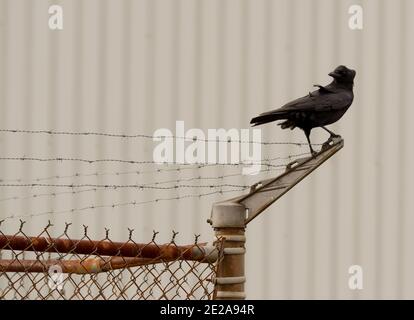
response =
{"points": [[170, 251], [60, 267]]}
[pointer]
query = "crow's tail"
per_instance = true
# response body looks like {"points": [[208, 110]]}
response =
{"points": [[266, 118]]}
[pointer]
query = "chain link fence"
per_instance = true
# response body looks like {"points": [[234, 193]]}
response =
{"points": [[44, 267]]}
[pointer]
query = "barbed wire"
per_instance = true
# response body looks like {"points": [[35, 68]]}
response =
{"points": [[51, 194], [98, 174], [121, 204], [141, 172], [270, 164], [90, 161], [72, 185], [120, 186], [144, 136], [73, 192], [145, 162]]}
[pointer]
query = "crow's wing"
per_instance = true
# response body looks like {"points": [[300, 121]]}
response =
{"points": [[316, 101], [321, 102]]}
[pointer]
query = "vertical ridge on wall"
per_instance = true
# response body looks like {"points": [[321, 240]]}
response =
{"points": [[268, 67], [402, 139], [333, 199], [101, 106], [78, 88], [379, 134], [356, 158], [150, 83]]}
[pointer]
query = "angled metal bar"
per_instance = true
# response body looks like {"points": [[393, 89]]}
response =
{"points": [[263, 193]]}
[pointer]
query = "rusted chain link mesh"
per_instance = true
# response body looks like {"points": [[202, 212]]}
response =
{"points": [[44, 267]]}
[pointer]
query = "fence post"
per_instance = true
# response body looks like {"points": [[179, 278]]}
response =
{"points": [[228, 221]]}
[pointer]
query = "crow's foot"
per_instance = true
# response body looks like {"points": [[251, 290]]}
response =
{"points": [[330, 141], [332, 134]]}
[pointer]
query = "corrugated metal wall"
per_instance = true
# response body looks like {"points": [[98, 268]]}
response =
{"points": [[133, 66]]}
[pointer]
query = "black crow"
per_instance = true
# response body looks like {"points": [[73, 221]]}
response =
{"points": [[317, 109]]}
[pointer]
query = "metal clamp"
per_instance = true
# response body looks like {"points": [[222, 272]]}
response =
{"points": [[234, 250], [230, 295], [230, 280]]}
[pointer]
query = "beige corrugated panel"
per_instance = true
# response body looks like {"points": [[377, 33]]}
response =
{"points": [[134, 66]]}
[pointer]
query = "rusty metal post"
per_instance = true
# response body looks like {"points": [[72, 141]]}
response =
{"points": [[228, 221]]}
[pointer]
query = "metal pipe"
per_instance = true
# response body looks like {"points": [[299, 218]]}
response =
{"points": [[227, 219], [108, 248], [87, 266]]}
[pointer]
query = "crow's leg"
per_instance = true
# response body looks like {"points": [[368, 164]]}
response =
{"points": [[307, 134], [333, 135]]}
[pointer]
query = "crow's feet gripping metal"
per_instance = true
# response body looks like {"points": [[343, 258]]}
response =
{"points": [[333, 139]]}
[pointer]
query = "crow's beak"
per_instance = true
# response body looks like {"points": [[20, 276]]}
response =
{"points": [[333, 74]]}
